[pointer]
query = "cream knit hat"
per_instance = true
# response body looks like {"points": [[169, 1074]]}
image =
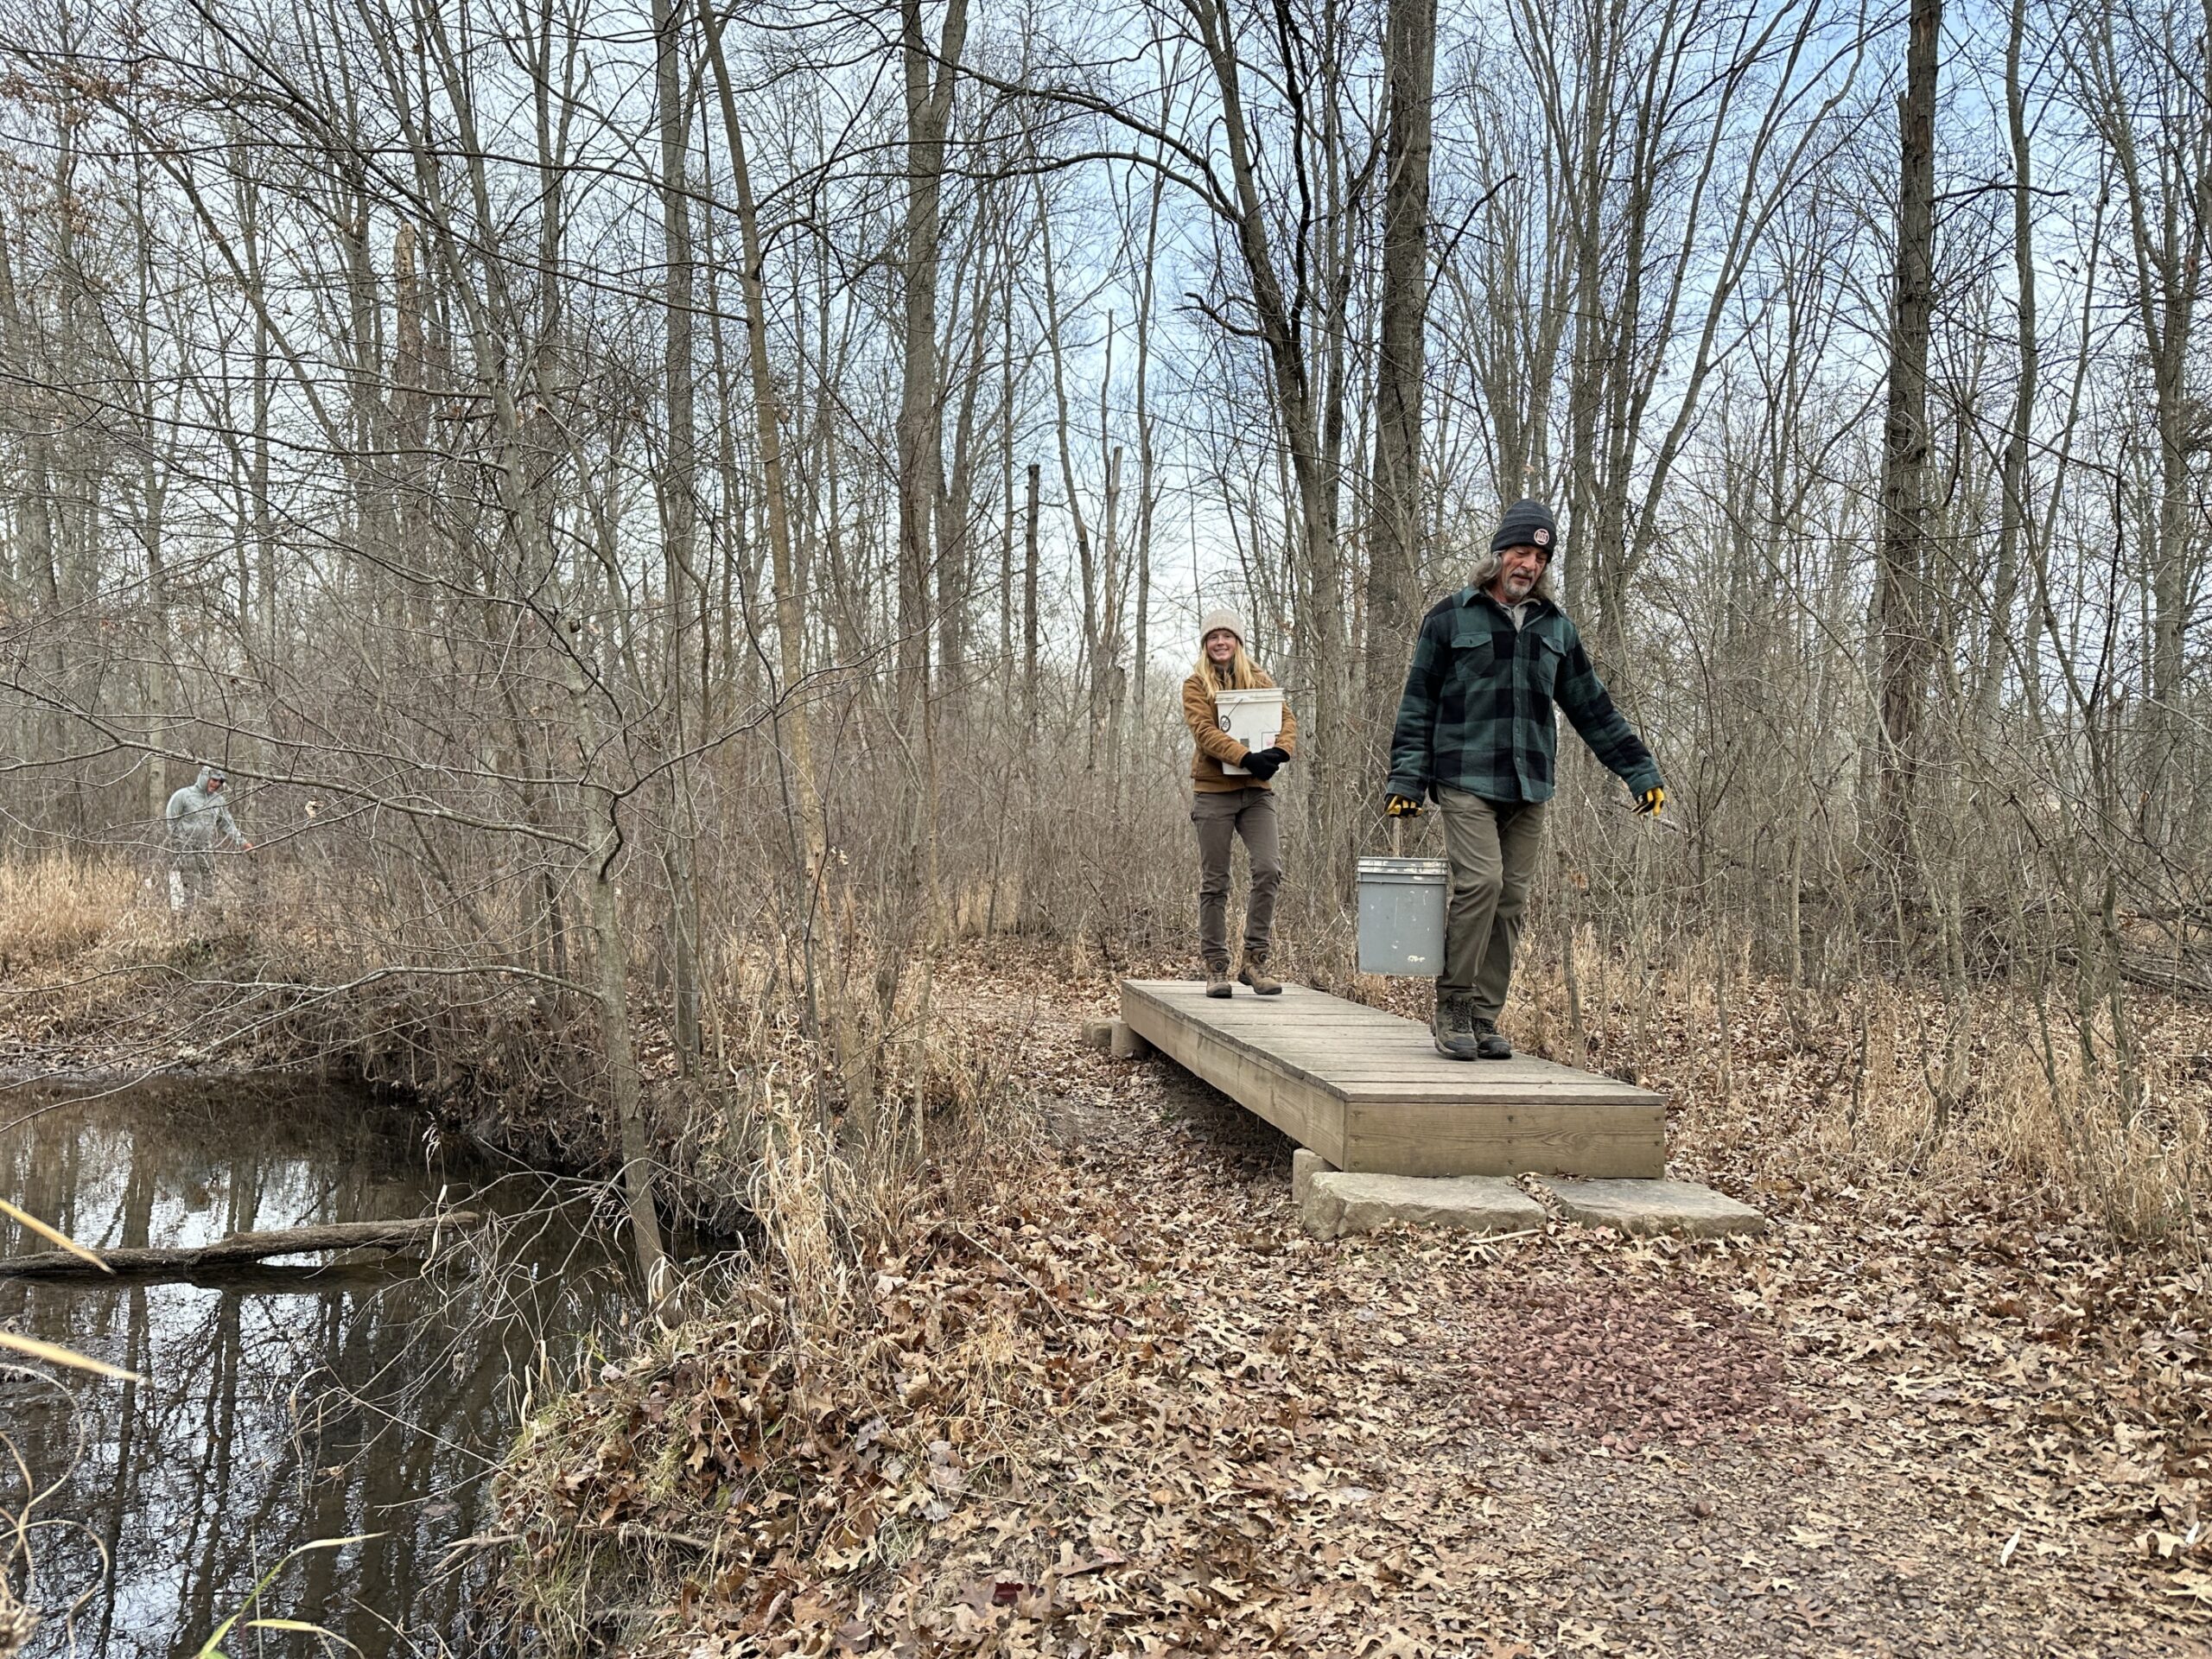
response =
{"points": [[1221, 617]]}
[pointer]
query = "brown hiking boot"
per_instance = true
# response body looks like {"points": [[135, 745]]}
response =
{"points": [[1217, 981], [1453, 1023], [1490, 1041], [1255, 974]]}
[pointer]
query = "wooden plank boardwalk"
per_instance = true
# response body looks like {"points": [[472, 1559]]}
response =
{"points": [[1368, 1090]]}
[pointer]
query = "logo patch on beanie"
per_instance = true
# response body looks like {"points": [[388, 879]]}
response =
{"points": [[1542, 537]]}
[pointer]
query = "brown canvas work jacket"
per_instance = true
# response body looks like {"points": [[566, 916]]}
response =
{"points": [[1216, 746]]}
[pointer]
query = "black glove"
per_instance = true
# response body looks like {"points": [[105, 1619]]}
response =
{"points": [[1263, 764]]}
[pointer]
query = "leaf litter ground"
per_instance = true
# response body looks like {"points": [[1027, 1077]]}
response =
{"points": [[1126, 1406]]}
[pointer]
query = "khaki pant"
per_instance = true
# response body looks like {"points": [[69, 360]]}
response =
{"points": [[1492, 847], [1222, 816]]}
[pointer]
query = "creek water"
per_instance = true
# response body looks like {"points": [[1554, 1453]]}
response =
{"points": [[280, 1404]]}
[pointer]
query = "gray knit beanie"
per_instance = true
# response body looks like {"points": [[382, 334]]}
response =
{"points": [[1221, 617], [1527, 523]]}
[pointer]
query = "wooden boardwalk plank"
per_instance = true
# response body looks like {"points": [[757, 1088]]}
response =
{"points": [[1367, 1089]]}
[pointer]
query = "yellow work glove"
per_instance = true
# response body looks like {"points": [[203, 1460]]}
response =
{"points": [[1401, 806], [1651, 802]]}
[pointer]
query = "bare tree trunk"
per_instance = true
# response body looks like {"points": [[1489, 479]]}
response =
{"points": [[921, 412], [1006, 467], [678, 486], [2013, 508], [1901, 569], [1029, 641], [956, 506], [790, 621], [1581, 558], [609, 947], [37, 574], [34, 570], [2167, 193], [1395, 520], [1108, 678], [1086, 563]]}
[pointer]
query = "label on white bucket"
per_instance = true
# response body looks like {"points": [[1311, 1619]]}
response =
{"points": [[1253, 718]]}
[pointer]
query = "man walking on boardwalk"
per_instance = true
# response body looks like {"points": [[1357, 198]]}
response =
{"points": [[1475, 733]]}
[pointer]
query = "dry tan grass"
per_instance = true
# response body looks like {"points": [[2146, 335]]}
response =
{"points": [[58, 905], [1886, 1077], [17, 1624]]}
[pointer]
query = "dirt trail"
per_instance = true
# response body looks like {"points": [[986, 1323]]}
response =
{"points": [[1874, 1431], [1496, 1470]]}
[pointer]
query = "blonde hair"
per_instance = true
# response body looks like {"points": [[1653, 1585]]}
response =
{"points": [[1243, 673]]}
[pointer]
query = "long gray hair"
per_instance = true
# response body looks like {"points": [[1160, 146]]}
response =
{"points": [[1489, 563]]}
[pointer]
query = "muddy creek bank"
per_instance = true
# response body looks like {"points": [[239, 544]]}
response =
{"points": [[282, 1402]]}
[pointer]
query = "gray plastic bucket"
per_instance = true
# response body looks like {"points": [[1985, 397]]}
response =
{"points": [[1402, 915]]}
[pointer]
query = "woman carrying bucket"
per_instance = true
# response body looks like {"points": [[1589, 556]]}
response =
{"points": [[1230, 795]]}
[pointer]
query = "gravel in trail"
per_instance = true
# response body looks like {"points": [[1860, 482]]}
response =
{"points": [[1872, 1431]]}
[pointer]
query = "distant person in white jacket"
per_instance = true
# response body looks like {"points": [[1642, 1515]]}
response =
{"points": [[200, 820]]}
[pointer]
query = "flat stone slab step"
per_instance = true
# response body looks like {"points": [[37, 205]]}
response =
{"points": [[1333, 1203], [1644, 1207], [1336, 1203]]}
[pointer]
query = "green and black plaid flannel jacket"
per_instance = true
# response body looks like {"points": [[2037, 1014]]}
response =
{"points": [[1477, 714]]}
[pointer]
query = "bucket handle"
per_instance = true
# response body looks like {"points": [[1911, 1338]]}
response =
{"points": [[1397, 837]]}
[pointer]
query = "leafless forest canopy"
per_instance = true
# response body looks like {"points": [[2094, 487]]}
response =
{"points": [[699, 506]]}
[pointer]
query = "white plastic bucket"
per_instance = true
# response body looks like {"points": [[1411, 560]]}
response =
{"points": [[1253, 718]]}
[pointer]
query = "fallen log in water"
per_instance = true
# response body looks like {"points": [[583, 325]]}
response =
{"points": [[241, 1247]]}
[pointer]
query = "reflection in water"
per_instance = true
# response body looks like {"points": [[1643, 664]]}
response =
{"points": [[281, 1404]]}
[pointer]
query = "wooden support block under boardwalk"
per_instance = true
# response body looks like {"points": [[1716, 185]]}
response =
{"points": [[1368, 1090]]}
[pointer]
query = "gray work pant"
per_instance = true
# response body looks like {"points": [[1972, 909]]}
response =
{"points": [[1221, 815], [192, 880], [1491, 847]]}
